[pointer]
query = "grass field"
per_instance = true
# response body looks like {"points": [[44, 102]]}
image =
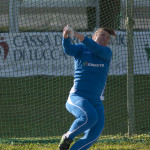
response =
{"points": [[29, 106], [104, 143], [99, 146]]}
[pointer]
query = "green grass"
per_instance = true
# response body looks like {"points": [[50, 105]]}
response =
{"points": [[97, 146], [35, 107], [109, 142]]}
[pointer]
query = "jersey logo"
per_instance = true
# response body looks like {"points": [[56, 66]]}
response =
{"points": [[92, 65]]}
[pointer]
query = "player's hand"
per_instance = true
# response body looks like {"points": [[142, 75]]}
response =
{"points": [[68, 31]]}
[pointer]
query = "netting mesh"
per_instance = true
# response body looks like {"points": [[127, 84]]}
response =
{"points": [[36, 76]]}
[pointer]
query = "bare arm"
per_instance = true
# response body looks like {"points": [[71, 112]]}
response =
{"points": [[79, 36]]}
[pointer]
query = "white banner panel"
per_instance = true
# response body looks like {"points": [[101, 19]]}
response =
{"points": [[141, 42], [40, 53]]}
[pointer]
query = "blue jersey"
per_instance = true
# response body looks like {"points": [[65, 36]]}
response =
{"points": [[91, 67]]}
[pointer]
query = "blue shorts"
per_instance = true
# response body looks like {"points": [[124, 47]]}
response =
{"points": [[89, 120]]}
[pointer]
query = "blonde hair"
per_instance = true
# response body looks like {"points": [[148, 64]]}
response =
{"points": [[110, 31]]}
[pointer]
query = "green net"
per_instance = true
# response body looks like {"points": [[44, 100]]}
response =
{"points": [[36, 76]]}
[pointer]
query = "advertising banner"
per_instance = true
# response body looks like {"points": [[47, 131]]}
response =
{"points": [[41, 53]]}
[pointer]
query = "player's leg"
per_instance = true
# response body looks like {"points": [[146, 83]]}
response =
{"points": [[91, 135], [86, 117], [85, 113]]}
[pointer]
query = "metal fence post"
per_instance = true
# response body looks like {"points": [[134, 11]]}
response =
{"points": [[13, 15], [130, 67]]}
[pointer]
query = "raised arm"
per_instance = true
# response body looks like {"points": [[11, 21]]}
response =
{"points": [[102, 51], [68, 47], [94, 45]]}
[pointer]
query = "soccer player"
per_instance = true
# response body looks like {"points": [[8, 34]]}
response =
{"points": [[92, 59]]}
